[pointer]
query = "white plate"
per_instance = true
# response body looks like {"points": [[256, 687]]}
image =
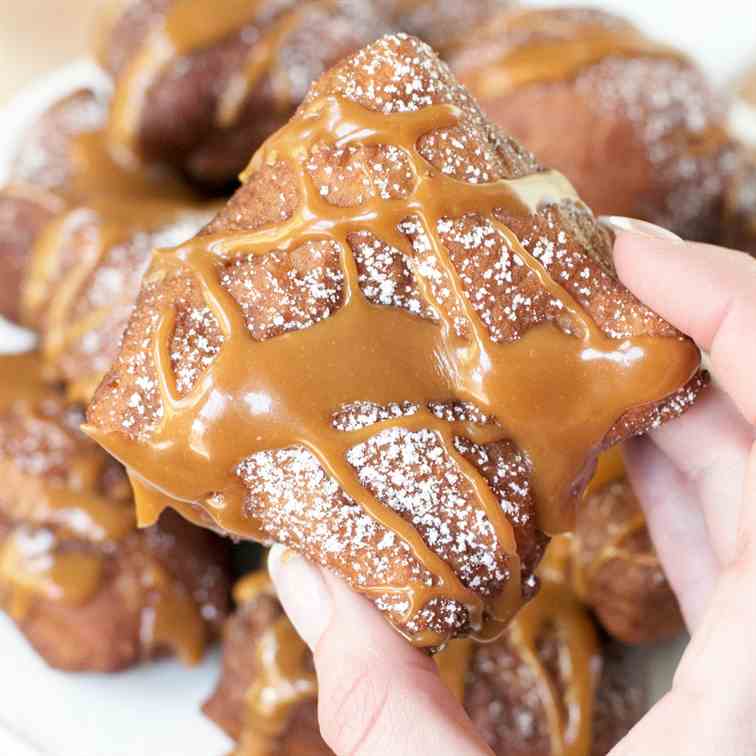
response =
{"points": [[154, 709]]}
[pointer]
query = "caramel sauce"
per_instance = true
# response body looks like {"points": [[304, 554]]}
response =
{"points": [[453, 663], [172, 618], [551, 60], [31, 567], [303, 377], [610, 467], [570, 717], [20, 378]]}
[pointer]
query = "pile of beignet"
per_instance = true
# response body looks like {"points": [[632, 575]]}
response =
{"points": [[398, 347]]}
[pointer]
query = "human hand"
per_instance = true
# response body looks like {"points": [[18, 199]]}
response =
{"points": [[696, 478]]}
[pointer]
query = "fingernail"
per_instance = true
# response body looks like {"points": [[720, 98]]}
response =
{"points": [[302, 592], [619, 224]]}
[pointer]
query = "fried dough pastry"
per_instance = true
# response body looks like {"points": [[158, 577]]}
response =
{"points": [[416, 347], [611, 564], [89, 591], [200, 84], [62, 164], [24, 213], [632, 123], [516, 689], [84, 277]]}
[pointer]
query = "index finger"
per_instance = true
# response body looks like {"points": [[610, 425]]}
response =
{"points": [[707, 292]]}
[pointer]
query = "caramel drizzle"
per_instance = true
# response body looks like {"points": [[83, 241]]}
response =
{"points": [[570, 718], [171, 618], [552, 60], [191, 458], [282, 681], [555, 609], [188, 27], [28, 572]]}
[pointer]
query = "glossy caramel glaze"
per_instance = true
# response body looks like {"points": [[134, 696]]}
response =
{"points": [[563, 385]]}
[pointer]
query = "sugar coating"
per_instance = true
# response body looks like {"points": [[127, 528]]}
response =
{"points": [[45, 156], [280, 292], [460, 412], [300, 505], [349, 176], [358, 415], [385, 276], [413, 474], [42, 440], [671, 107]]}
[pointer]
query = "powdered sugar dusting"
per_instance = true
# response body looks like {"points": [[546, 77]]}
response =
{"points": [[385, 276], [358, 415], [286, 291], [413, 474]]}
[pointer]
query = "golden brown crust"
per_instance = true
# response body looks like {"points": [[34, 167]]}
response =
{"points": [[628, 151]]}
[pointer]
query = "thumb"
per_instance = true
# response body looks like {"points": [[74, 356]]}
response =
{"points": [[377, 694]]}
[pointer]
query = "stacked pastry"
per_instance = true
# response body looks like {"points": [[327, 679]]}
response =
{"points": [[88, 589], [399, 348]]}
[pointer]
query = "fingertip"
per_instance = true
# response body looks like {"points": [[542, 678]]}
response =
{"points": [[302, 591]]}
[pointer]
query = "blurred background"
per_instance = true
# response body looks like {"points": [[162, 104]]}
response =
{"points": [[39, 35]]}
